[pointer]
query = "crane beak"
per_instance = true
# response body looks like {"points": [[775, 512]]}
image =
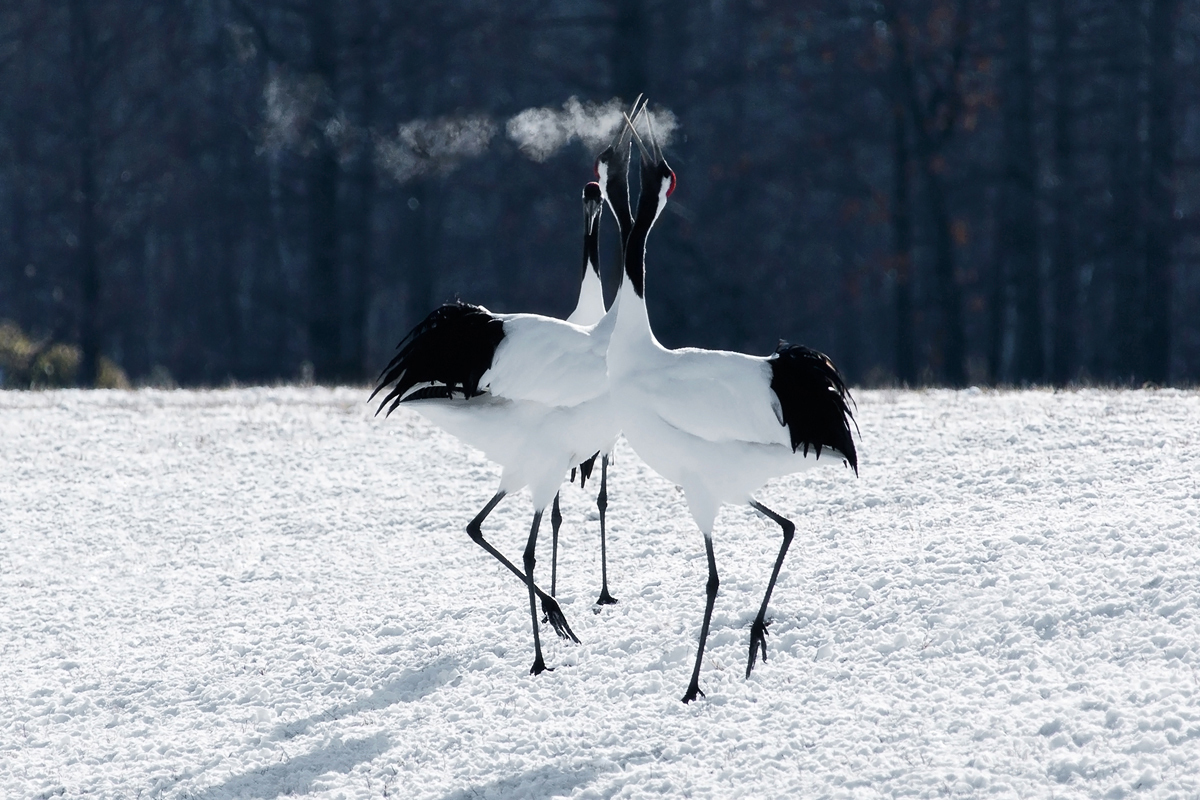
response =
{"points": [[621, 145], [634, 112], [647, 158], [616, 155], [624, 135], [652, 154], [592, 206]]}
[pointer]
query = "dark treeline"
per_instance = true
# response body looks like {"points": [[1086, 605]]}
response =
{"points": [[932, 191]]}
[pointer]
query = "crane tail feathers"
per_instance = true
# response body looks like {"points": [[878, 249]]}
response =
{"points": [[814, 400], [445, 355]]}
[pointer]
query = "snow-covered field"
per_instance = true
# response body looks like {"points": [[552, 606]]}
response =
{"points": [[266, 592]]}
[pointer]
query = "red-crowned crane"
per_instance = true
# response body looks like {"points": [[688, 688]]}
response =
{"points": [[718, 424], [589, 310], [530, 391]]}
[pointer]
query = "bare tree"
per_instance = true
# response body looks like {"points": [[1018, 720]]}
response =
{"points": [[1065, 286], [1018, 230], [86, 71], [935, 114], [901, 219], [215, 188], [1126, 40], [1160, 195]]}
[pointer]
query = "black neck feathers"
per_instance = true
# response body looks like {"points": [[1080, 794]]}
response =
{"points": [[617, 185], [635, 260], [618, 198], [647, 213]]}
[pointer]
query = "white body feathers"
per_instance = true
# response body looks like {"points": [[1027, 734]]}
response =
{"points": [[706, 420], [545, 405]]}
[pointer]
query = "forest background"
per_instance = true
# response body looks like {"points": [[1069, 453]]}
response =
{"points": [[942, 192]]}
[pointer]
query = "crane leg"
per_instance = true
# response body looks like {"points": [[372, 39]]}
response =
{"points": [[758, 631], [539, 664], [549, 604], [606, 599], [555, 523], [713, 584]]}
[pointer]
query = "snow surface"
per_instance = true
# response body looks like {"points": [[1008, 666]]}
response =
{"points": [[266, 592]]}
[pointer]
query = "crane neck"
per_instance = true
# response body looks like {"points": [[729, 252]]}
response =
{"points": [[590, 306], [633, 323], [635, 244], [591, 249]]}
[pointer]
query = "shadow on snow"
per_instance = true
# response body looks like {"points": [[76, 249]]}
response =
{"points": [[408, 687], [296, 775]]}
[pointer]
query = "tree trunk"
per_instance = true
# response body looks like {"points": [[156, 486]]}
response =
{"points": [[1160, 197], [324, 289], [1064, 267], [933, 126], [1018, 220], [952, 335], [358, 261], [906, 371], [425, 56], [1125, 228], [849, 302], [23, 280], [997, 304], [83, 69], [420, 250], [230, 218]]}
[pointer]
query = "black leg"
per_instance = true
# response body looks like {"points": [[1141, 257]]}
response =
{"points": [[539, 664], [713, 583], [549, 604], [606, 599], [758, 631], [555, 522]]}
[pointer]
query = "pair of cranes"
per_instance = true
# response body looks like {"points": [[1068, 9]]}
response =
{"points": [[541, 396]]}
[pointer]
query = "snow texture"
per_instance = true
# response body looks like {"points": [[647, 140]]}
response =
{"points": [[266, 592]]}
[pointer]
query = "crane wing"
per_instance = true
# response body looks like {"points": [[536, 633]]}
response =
{"points": [[546, 360], [715, 395]]}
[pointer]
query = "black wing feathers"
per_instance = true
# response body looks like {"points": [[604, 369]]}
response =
{"points": [[450, 350], [813, 397]]}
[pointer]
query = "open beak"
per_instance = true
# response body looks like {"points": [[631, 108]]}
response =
{"points": [[648, 158], [652, 156], [620, 145]]}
